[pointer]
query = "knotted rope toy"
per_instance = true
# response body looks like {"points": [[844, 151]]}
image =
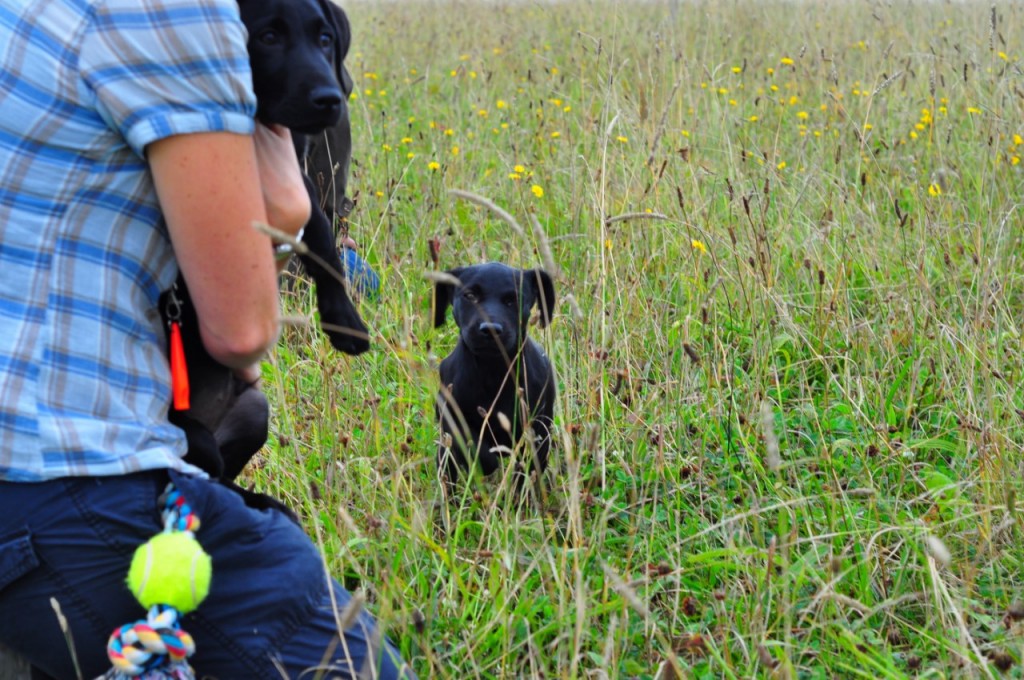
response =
{"points": [[169, 576]]}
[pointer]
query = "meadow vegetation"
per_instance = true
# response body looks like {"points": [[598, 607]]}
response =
{"points": [[787, 242]]}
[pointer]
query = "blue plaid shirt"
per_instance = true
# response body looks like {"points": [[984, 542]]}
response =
{"points": [[85, 85]]}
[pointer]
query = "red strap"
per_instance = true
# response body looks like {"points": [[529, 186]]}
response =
{"points": [[179, 371]]}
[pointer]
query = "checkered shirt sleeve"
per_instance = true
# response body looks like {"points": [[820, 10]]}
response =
{"points": [[85, 85]]}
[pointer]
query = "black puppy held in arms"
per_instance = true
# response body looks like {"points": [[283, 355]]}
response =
{"points": [[497, 384], [296, 49]]}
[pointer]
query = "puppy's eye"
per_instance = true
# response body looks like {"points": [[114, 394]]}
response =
{"points": [[469, 296], [509, 301], [268, 37], [326, 40]]}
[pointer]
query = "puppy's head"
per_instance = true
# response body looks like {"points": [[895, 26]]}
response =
{"points": [[491, 305], [295, 50]]}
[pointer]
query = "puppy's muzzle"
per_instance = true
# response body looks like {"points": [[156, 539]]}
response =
{"points": [[489, 338], [490, 329], [325, 98]]}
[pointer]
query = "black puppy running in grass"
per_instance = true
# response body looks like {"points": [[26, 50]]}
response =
{"points": [[296, 48], [497, 384]]}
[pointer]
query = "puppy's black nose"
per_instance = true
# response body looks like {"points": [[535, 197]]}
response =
{"points": [[489, 328], [325, 97]]}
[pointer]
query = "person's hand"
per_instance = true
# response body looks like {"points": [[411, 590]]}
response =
{"points": [[284, 192], [249, 374]]}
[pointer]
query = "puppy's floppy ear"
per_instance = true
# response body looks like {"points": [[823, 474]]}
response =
{"points": [[444, 295], [338, 21], [344, 30], [345, 80], [544, 292]]}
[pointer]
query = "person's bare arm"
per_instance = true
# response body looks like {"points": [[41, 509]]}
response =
{"points": [[212, 186], [279, 167]]}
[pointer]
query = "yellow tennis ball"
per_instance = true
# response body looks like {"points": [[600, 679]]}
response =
{"points": [[170, 568]]}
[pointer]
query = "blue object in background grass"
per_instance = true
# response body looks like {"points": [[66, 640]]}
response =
{"points": [[361, 277]]}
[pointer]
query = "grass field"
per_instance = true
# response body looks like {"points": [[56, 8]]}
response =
{"points": [[787, 242]]}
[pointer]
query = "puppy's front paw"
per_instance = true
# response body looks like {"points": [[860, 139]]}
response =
{"points": [[352, 341], [343, 327]]}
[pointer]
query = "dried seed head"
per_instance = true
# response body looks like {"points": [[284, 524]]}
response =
{"points": [[939, 551], [765, 657], [772, 459], [419, 621], [1002, 661]]}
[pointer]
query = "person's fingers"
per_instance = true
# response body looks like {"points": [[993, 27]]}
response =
{"points": [[284, 191]]}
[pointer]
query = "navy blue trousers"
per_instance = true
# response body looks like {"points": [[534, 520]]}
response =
{"points": [[271, 606]]}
